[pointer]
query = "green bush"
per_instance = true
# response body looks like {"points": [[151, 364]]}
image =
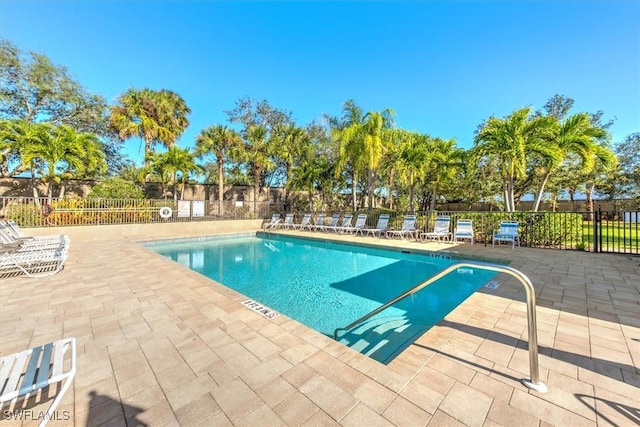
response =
{"points": [[116, 188], [24, 214]]}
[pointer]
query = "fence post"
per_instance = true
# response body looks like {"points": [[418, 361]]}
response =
{"points": [[596, 234]]}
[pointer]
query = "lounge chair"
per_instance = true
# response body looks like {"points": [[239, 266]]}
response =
{"points": [[29, 371], [463, 230], [10, 232], [319, 224], [508, 232], [333, 223], [288, 222], [361, 221], [305, 224], [408, 228], [271, 225], [441, 230], [9, 242], [344, 225], [33, 263], [381, 227]]}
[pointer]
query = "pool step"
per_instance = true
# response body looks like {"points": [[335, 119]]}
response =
{"points": [[384, 338]]}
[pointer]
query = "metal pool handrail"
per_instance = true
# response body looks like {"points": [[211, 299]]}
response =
{"points": [[533, 383]]}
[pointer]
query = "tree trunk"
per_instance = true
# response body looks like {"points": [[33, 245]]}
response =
{"points": [[147, 160], [411, 197], [370, 178], [354, 187], [538, 198], [391, 187], [590, 189], [505, 187]]}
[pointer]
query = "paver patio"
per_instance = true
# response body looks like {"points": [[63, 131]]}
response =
{"points": [[161, 345]]}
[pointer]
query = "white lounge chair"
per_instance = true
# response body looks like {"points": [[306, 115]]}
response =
{"points": [[319, 224], [275, 221], [33, 263], [508, 232], [10, 232], [441, 230], [305, 223], [288, 222], [344, 225], [381, 227], [24, 373], [333, 223], [361, 221], [408, 228], [463, 230], [9, 243]]}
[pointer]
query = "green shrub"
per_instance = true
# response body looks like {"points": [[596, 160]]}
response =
{"points": [[116, 188]]}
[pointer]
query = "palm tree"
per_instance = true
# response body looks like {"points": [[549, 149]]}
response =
{"points": [[412, 160], [575, 135], [256, 152], [154, 116], [362, 143], [290, 144], [377, 139], [512, 140], [217, 140], [345, 131], [57, 153], [176, 160], [446, 161]]}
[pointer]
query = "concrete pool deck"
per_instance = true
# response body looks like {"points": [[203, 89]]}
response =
{"points": [[161, 345]]}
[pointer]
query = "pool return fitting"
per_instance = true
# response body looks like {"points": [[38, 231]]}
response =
{"points": [[534, 382]]}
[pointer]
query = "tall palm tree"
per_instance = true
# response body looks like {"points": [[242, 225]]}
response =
{"points": [[446, 161], [217, 140], [363, 139], [512, 140], [413, 157], [376, 140], [345, 130], [153, 116], [58, 152], [574, 135], [175, 160], [290, 145], [256, 152]]}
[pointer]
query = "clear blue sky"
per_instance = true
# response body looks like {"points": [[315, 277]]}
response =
{"points": [[443, 67]]}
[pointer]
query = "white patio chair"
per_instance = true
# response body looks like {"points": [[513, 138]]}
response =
{"points": [[344, 225], [408, 228], [361, 221], [441, 230], [275, 221], [319, 224], [305, 223], [463, 230], [33, 263], [288, 222], [381, 227], [29, 371], [508, 232], [333, 223]]}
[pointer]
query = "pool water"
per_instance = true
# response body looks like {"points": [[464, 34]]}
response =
{"points": [[327, 285]]}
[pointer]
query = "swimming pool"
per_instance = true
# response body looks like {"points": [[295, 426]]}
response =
{"points": [[326, 285]]}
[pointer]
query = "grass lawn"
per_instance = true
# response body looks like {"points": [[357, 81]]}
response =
{"points": [[616, 235]]}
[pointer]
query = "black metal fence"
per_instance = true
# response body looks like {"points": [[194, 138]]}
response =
{"points": [[39, 212], [600, 231]]}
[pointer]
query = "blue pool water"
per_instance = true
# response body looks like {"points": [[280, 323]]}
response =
{"points": [[327, 285]]}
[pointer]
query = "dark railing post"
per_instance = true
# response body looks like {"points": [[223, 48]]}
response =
{"points": [[595, 232]]}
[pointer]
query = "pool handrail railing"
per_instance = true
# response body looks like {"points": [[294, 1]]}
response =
{"points": [[534, 370]]}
